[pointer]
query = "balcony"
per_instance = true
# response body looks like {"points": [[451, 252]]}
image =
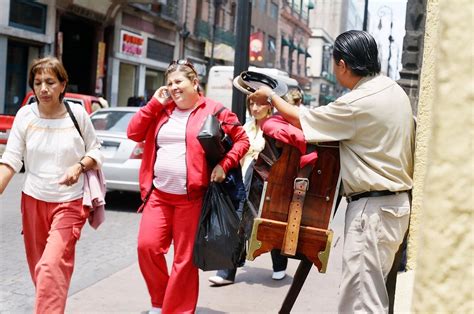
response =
{"points": [[168, 12], [204, 32]]}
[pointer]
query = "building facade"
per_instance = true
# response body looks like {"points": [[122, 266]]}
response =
{"points": [[327, 21], [27, 30]]}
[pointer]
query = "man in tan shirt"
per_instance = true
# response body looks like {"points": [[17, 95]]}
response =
{"points": [[375, 129]]}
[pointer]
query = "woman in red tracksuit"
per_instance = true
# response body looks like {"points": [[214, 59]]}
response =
{"points": [[174, 176]]}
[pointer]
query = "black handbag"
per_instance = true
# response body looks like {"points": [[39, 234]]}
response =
{"points": [[213, 139]]}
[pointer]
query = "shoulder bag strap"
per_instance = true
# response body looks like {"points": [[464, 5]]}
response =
{"points": [[73, 118], [223, 122]]}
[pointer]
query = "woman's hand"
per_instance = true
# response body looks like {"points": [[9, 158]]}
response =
{"points": [[162, 95], [218, 174], [72, 175]]}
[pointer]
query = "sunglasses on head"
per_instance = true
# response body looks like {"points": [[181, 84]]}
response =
{"points": [[183, 62]]}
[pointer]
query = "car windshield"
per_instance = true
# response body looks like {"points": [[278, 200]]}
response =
{"points": [[113, 121]]}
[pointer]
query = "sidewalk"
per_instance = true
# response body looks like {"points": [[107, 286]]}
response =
{"points": [[253, 292]]}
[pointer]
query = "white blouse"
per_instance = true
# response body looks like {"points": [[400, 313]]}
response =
{"points": [[49, 147]]}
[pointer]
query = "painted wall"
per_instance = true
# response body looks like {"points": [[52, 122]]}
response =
{"points": [[442, 224]]}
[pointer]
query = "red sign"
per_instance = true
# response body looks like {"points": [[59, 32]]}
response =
{"points": [[131, 44], [256, 47]]}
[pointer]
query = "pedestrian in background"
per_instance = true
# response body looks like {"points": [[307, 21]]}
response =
{"points": [[44, 137], [294, 97], [252, 128], [375, 129], [174, 176]]}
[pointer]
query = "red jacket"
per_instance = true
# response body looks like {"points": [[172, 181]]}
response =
{"points": [[146, 123]]}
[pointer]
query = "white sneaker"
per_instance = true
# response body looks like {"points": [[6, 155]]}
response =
{"points": [[278, 275], [155, 310], [219, 281]]}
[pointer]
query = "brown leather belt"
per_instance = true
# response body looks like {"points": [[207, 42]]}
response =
{"points": [[355, 197]]}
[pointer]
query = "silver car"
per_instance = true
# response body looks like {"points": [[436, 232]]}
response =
{"points": [[122, 156]]}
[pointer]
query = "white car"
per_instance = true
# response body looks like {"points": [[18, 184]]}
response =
{"points": [[122, 156]]}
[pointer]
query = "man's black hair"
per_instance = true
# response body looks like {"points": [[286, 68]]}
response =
{"points": [[359, 51]]}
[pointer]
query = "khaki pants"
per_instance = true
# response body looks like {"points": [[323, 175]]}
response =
{"points": [[50, 233], [374, 229]]}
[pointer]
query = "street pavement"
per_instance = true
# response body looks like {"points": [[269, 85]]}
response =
{"points": [[107, 278]]}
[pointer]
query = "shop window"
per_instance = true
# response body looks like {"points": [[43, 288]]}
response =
{"points": [[153, 80], [28, 15], [159, 51]]}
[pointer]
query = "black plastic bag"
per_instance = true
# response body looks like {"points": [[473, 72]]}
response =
{"points": [[218, 243]]}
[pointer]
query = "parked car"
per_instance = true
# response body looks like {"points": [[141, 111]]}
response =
{"points": [[122, 156], [90, 103]]}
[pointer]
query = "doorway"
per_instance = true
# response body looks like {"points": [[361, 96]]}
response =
{"points": [[79, 51], [16, 79]]}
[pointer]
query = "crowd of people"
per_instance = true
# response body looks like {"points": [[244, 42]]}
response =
{"points": [[372, 123]]}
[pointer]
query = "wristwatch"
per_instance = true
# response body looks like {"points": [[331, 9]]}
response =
{"points": [[83, 167], [270, 97]]}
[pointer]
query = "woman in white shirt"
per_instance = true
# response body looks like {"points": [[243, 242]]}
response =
{"points": [[55, 155]]}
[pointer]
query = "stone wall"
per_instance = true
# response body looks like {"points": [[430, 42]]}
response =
{"points": [[444, 272]]}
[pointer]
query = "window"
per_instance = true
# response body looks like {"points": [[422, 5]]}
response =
{"points": [[159, 51], [271, 45], [233, 14], [28, 15], [274, 11], [262, 6]]}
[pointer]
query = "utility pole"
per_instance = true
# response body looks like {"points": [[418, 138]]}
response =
{"points": [[241, 57], [366, 15]]}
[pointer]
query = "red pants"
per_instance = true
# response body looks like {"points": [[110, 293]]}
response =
{"points": [[50, 233], [168, 217]]}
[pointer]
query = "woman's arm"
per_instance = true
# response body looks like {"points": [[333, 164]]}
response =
{"points": [[240, 140], [6, 174], [141, 121]]}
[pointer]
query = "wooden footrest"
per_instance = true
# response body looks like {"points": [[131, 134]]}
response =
{"points": [[268, 234]]}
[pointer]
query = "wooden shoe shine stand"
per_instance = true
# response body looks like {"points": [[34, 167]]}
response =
{"points": [[295, 207]]}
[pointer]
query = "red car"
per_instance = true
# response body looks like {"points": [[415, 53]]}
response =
{"points": [[90, 103]]}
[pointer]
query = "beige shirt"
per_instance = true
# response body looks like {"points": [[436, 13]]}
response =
{"points": [[375, 129], [257, 144]]}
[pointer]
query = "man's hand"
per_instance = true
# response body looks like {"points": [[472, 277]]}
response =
{"points": [[260, 96], [218, 174]]}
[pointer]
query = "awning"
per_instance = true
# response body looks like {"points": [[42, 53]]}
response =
{"points": [[310, 5], [284, 42], [307, 54], [300, 50], [292, 45]]}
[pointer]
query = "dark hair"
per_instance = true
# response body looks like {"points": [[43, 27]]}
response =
{"points": [[359, 51], [187, 68], [48, 64]]}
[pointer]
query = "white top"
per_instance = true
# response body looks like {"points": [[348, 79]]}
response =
{"points": [[257, 144], [375, 128], [170, 165], [49, 147]]}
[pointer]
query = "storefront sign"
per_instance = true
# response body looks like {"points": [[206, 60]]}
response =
{"points": [[131, 44], [256, 46], [100, 72]]}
